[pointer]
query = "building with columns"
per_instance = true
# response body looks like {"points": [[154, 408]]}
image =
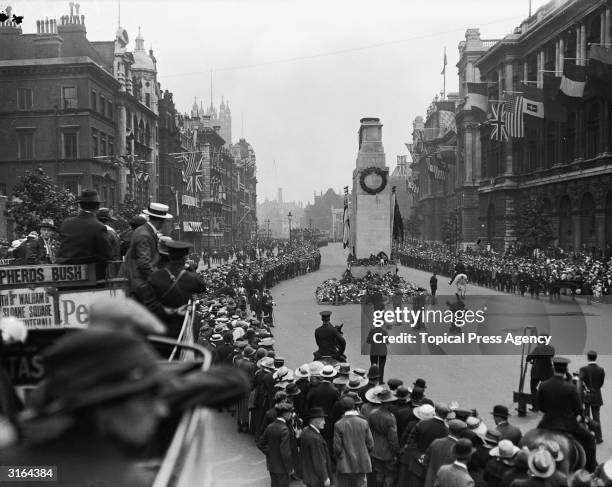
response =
{"points": [[567, 164]]}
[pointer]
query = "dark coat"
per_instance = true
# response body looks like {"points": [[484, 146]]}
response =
{"points": [[510, 432], [84, 240], [185, 285], [329, 340], [593, 376], [325, 395], [275, 443], [315, 459], [439, 453], [541, 362], [560, 403], [142, 257], [403, 415]]}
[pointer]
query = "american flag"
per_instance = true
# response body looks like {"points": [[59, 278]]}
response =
{"points": [[496, 120], [514, 115], [447, 120]]}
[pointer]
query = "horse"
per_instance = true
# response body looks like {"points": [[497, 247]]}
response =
{"points": [[573, 453]]}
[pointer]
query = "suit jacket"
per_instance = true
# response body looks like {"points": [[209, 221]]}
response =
{"points": [[384, 431], [439, 453], [353, 443], [314, 456], [325, 395], [83, 240], [426, 431], [541, 362], [593, 377], [142, 256], [275, 442], [403, 415], [329, 340], [510, 432], [560, 403], [453, 476]]}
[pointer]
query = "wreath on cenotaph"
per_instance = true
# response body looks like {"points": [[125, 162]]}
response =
{"points": [[373, 170]]}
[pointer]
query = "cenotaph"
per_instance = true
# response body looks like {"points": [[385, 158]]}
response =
{"points": [[371, 205]]}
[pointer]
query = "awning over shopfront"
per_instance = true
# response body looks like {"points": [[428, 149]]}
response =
{"points": [[192, 227]]}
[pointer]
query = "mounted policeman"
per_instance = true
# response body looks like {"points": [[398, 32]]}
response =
{"points": [[329, 339]]}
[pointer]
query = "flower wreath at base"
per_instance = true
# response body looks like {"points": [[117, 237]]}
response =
{"points": [[373, 170]]}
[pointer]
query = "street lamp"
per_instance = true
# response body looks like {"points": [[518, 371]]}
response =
{"points": [[289, 216]]}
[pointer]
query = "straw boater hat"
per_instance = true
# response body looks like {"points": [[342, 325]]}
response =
{"points": [[266, 363], [380, 395], [356, 382], [158, 210], [302, 371], [266, 342], [316, 367], [328, 371]]}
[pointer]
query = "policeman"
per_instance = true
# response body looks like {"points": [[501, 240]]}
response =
{"points": [[558, 399], [329, 339], [174, 285]]}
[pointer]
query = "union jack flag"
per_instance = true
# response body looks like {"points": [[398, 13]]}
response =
{"points": [[496, 120], [192, 171]]}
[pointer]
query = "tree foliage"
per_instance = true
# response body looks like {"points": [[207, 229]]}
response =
{"points": [[451, 228], [127, 210], [36, 197], [532, 224]]}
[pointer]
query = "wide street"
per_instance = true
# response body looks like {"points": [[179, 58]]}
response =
{"points": [[474, 381]]}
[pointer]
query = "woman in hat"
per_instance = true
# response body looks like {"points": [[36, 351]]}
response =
{"points": [[247, 366]]}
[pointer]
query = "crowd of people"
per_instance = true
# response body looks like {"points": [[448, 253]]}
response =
{"points": [[539, 274], [328, 422]]}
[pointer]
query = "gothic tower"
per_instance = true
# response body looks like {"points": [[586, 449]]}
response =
{"points": [[225, 121]]}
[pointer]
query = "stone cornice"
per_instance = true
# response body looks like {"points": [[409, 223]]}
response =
{"points": [[73, 66]]}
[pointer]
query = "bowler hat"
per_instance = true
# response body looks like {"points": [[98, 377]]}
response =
{"points": [[456, 426], [402, 392], [89, 196], [89, 367], [394, 383], [463, 447], [356, 382], [492, 437], [501, 411], [292, 389], [316, 413], [420, 383], [136, 221]]}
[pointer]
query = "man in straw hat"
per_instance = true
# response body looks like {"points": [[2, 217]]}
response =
{"points": [[501, 463], [314, 452], [456, 474], [142, 255], [353, 444], [83, 238], [275, 443], [541, 468], [104, 395], [384, 431]]}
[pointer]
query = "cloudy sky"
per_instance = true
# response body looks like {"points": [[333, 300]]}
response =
{"points": [[301, 73]]}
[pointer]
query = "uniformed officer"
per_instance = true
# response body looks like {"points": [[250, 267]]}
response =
{"points": [[558, 399], [174, 285], [329, 339]]}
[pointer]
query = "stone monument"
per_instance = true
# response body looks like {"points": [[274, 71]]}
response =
{"points": [[371, 206]]}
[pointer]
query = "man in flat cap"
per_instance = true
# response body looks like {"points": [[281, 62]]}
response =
{"points": [[329, 339], [558, 399]]}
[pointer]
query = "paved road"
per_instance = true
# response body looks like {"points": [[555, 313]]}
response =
{"points": [[472, 380]]}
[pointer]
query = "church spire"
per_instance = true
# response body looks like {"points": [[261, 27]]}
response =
{"points": [[139, 41]]}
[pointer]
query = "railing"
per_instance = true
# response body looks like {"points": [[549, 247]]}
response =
{"points": [[488, 43]]}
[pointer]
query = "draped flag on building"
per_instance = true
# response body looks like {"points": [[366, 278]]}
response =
{"points": [[533, 101], [572, 85], [418, 140], [496, 120], [553, 110], [192, 171], [599, 82], [513, 115], [398, 223], [346, 225], [477, 96], [444, 67]]}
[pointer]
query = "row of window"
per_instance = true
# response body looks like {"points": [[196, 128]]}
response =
{"points": [[102, 144], [99, 103]]}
